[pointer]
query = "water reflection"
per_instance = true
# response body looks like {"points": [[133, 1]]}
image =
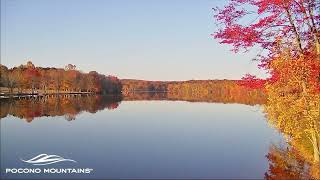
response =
{"points": [[226, 97], [286, 162], [147, 139], [68, 106], [299, 124]]}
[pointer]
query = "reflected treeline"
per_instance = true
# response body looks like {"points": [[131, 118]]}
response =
{"points": [[297, 117], [286, 163], [244, 97], [68, 106], [71, 105]]}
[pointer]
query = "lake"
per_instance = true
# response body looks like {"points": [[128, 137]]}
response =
{"points": [[136, 138]]}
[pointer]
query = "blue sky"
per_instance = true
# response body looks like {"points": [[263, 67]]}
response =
{"points": [[141, 39]]}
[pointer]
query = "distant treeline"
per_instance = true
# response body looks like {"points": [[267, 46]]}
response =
{"points": [[226, 91], [130, 85], [31, 79], [28, 79]]}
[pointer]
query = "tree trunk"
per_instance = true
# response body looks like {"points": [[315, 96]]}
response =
{"points": [[32, 89], [312, 26], [318, 48], [295, 31], [316, 148], [314, 30]]}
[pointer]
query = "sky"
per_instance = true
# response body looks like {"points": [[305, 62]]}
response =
{"points": [[131, 39]]}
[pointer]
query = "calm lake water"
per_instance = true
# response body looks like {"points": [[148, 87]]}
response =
{"points": [[140, 139]]}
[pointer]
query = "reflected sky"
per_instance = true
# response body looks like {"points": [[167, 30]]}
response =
{"points": [[148, 139]]}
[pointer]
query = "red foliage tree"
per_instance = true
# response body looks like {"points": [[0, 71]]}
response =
{"points": [[32, 76], [252, 82], [278, 27], [269, 23]]}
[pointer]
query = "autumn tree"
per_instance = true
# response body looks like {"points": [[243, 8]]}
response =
{"points": [[70, 67], [68, 80], [45, 79], [292, 107], [269, 23], [57, 76], [32, 77], [3, 75], [287, 32], [13, 79], [281, 28], [83, 83]]}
